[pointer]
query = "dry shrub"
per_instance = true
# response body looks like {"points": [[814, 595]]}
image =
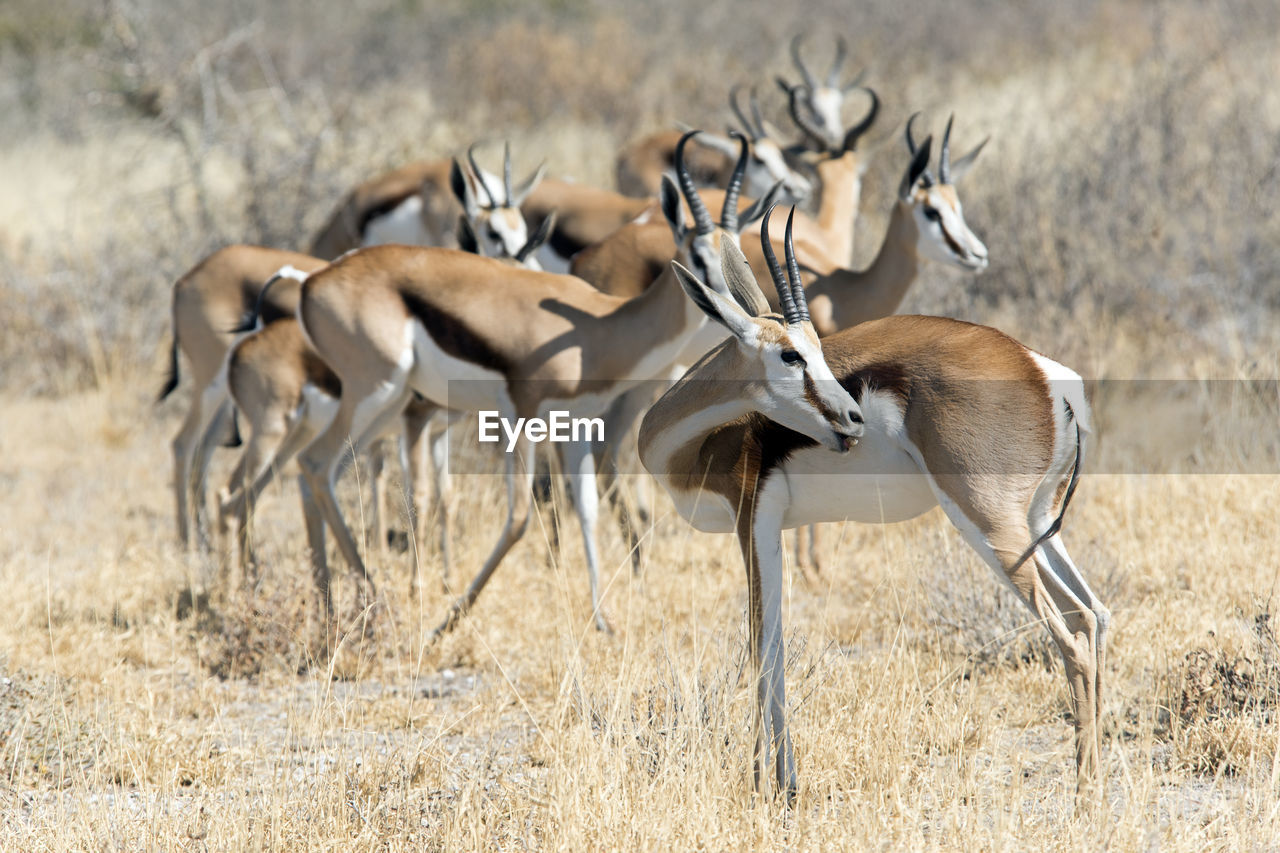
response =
{"points": [[251, 635], [1223, 711]]}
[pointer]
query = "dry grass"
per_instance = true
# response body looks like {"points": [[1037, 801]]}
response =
{"points": [[1126, 202]]}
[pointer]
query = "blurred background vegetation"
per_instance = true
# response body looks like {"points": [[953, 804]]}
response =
{"points": [[1125, 197]]}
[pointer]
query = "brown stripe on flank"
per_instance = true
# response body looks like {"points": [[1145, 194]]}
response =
{"points": [[453, 337], [891, 377]]}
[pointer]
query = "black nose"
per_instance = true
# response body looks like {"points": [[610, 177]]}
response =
{"points": [[855, 416]]}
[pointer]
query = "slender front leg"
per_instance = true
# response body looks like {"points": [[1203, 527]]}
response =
{"points": [[759, 528], [519, 465], [319, 464], [579, 465]]}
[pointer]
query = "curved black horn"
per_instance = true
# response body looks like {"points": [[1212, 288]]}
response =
{"points": [[919, 168], [701, 218], [944, 155], [805, 123], [739, 112], [506, 171], [785, 297], [842, 49], [729, 213], [911, 143], [855, 133], [793, 272], [809, 79], [478, 175]]}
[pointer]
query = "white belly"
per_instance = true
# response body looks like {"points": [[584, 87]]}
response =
{"points": [[878, 481], [402, 224], [871, 488], [450, 382]]}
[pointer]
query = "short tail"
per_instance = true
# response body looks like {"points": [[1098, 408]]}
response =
{"points": [[171, 379], [1066, 499], [252, 320]]}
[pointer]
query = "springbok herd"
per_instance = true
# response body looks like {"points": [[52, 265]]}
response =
{"points": [[441, 290]]}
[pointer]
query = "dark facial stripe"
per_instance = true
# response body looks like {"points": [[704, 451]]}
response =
{"points": [[815, 399], [955, 247]]}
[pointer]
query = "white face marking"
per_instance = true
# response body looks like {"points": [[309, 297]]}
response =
{"points": [[767, 166], [826, 103], [502, 232], [402, 224], [783, 396], [940, 224]]}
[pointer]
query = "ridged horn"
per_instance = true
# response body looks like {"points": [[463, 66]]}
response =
{"points": [[729, 213], [479, 176], [702, 222]]}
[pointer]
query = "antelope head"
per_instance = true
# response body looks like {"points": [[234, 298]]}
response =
{"points": [[830, 145], [702, 244], [525, 257], [767, 164], [778, 357], [492, 207], [822, 101], [943, 235]]}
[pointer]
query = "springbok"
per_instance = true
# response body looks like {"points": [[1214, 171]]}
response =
{"points": [[823, 102], [208, 302], [214, 297], [755, 438], [641, 165], [473, 334], [417, 204], [927, 221], [635, 254], [287, 395]]}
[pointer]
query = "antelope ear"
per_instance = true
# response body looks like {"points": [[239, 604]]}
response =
{"points": [[742, 282], [671, 208], [462, 190], [539, 237], [530, 184], [759, 206], [961, 166], [724, 311], [467, 241]]}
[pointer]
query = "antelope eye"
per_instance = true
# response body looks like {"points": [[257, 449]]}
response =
{"points": [[931, 214], [793, 358]]}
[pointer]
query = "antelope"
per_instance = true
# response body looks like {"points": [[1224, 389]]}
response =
{"points": [[642, 164], [208, 302], [214, 297], [393, 321], [824, 101], [287, 395], [417, 204], [584, 216], [927, 221], [635, 254], [877, 423]]}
